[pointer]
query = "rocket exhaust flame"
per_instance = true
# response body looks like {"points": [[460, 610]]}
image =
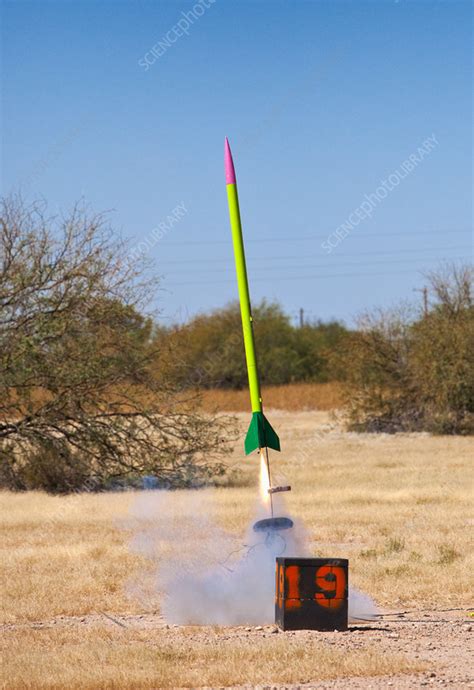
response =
{"points": [[266, 489], [272, 525], [264, 483]]}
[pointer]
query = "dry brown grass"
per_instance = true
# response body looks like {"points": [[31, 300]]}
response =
{"points": [[399, 507], [105, 657], [294, 397]]}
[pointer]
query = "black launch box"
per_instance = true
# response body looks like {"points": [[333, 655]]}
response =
{"points": [[311, 593]]}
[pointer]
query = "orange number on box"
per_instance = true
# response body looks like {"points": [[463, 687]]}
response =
{"points": [[292, 599], [280, 586], [331, 585]]}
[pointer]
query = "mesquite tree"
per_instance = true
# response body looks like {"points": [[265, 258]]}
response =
{"points": [[80, 405]]}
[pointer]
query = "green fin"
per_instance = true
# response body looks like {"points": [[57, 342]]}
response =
{"points": [[260, 434]]}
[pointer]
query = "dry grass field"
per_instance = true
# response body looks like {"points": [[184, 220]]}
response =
{"points": [[399, 507], [294, 397]]}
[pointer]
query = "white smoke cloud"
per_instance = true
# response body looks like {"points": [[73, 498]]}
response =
{"points": [[206, 575]]}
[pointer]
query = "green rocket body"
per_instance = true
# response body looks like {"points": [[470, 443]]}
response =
{"points": [[260, 433]]}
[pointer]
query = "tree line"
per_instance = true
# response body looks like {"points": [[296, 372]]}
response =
{"points": [[208, 351], [403, 369]]}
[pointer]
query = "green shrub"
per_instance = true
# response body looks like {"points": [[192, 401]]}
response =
{"points": [[208, 352], [412, 372]]}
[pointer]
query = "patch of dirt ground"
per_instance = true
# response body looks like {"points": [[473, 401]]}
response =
{"points": [[439, 642]]}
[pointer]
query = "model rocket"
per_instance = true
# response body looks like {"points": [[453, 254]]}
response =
{"points": [[260, 433]]}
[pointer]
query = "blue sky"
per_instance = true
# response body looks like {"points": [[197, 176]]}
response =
{"points": [[321, 101]]}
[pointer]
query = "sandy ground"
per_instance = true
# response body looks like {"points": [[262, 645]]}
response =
{"points": [[439, 642]]}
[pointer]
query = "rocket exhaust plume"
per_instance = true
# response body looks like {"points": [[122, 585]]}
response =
{"points": [[264, 482], [266, 491], [200, 574]]}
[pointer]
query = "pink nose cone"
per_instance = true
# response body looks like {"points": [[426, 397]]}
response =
{"points": [[229, 164]]}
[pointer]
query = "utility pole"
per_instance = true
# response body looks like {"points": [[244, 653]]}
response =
{"points": [[424, 292], [301, 317]]}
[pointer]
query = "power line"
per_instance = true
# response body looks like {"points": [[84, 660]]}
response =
{"points": [[317, 266], [318, 256], [305, 238], [315, 276]]}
